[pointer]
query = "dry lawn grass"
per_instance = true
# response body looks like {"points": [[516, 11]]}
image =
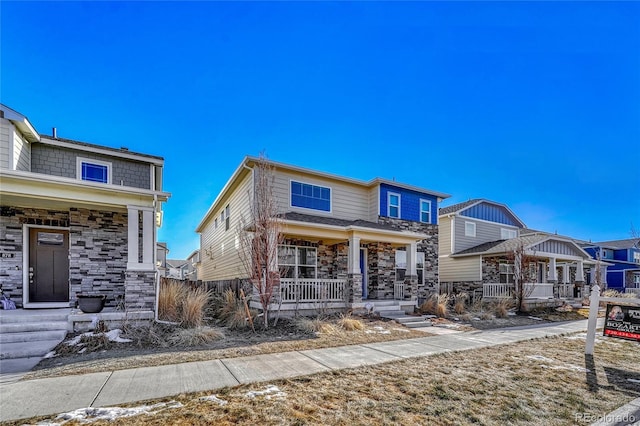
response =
{"points": [[540, 382]]}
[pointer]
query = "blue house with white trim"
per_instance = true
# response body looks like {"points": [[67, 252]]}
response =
{"points": [[623, 259]]}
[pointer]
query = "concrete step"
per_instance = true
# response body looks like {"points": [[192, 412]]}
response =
{"points": [[409, 319], [8, 318], [32, 336], [27, 349], [32, 326], [382, 302], [418, 324]]}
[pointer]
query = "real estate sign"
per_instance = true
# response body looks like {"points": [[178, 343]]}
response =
{"points": [[622, 322]]}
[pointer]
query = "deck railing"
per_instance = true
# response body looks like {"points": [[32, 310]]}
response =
{"points": [[497, 290], [531, 290], [398, 290], [312, 290]]}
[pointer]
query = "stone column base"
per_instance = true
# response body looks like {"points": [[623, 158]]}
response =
{"points": [[140, 290], [411, 287], [354, 288]]}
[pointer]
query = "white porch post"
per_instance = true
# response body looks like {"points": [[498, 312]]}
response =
{"points": [[552, 276], [565, 273], [132, 239], [412, 257], [580, 272], [148, 223], [354, 255]]}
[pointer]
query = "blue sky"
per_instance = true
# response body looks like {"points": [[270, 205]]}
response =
{"points": [[535, 105]]}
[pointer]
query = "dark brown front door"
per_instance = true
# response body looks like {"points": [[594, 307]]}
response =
{"points": [[48, 265]]}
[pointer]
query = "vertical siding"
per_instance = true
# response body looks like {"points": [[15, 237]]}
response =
{"points": [[558, 247], [485, 232], [491, 213], [6, 132], [21, 153], [219, 257], [348, 201], [460, 269]]}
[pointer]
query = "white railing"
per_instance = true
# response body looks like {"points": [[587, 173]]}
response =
{"points": [[538, 290], [632, 290], [497, 290], [312, 290], [398, 290], [564, 290]]}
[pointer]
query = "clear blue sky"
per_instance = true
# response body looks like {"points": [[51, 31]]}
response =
{"points": [[535, 105]]}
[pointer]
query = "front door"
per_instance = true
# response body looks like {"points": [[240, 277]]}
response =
{"points": [[363, 271], [48, 265]]}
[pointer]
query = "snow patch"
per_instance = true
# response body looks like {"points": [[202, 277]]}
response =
{"points": [[563, 366], [535, 318], [270, 392], [214, 398], [51, 354], [633, 380], [92, 414], [113, 336]]}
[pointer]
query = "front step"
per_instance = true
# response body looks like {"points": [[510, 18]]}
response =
{"points": [[27, 349], [26, 327], [32, 336]]}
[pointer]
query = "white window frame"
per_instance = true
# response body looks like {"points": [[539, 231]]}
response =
{"points": [[507, 234], [428, 211], [401, 264], [83, 160], [508, 271], [297, 264], [389, 195], [636, 256], [469, 229], [311, 208], [227, 218]]}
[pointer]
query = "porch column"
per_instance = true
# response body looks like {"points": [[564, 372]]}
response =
{"points": [[354, 276], [565, 273], [147, 237], [132, 238], [140, 276], [411, 274], [580, 272], [552, 276]]}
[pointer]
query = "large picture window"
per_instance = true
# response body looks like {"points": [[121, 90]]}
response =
{"points": [[297, 262], [401, 265], [310, 196], [93, 170], [506, 273]]}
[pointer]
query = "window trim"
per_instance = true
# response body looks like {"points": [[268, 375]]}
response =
{"points": [[389, 194], [424, 200], [296, 260], [84, 160], [468, 234], [420, 266], [227, 217], [312, 184]]}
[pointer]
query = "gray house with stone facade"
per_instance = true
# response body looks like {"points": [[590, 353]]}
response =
{"points": [[76, 218], [346, 242], [478, 239]]}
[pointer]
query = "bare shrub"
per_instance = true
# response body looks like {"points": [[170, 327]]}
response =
{"points": [[171, 295], [615, 293], [429, 305], [349, 323], [460, 302], [501, 307], [232, 311], [442, 308], [194, 336]]}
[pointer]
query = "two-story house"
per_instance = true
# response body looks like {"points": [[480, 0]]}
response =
{"points": [[478, 239], [623, 258], [76, 218], [365, 240]]}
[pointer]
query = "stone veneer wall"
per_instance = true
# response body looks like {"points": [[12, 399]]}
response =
{"points": [[97, 250], [140, 290], [428, 246], [381, 270], [98, 253]]}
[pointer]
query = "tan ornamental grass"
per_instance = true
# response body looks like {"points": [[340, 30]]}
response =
{"points": [[193, 306], [171, 295]]}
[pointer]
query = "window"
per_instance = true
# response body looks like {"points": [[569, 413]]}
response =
{"points": [[425, 211], [393, 204], [636, 280], [469, 229], [227, 219], [636, 257], [506, 273], [401, 265], [93, 170], [215, 223], [507, 234], [310, 196], [297, 262]]}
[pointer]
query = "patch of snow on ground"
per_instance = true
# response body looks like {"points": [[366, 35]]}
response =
{"points": [[113, 336], [51, 354], [92, 414], [535, 318], [634, 380], [270, 391], [404, 330], [540, 358], [583, 336], [213, 398], [557, 367]]}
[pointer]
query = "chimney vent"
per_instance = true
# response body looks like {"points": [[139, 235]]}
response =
{"points": [[54, 132]]}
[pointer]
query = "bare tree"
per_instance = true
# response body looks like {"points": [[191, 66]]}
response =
{"points": [[260, 235], [523, 273]]}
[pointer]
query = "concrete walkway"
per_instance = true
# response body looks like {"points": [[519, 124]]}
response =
{"points": [[30, 398]]}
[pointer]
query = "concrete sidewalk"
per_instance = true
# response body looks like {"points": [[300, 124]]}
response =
{"points": [[61, 394]]}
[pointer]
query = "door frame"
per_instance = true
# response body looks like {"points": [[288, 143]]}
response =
{"points": [[25, 267]]}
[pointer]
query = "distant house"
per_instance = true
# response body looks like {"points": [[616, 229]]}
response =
{"points": [[177, 268], [623, 256], [477, 241], [76, 218], [162, 251], [362, 241], [191, 272]]}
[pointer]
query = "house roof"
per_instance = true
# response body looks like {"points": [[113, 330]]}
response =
{"points": [[461, 207], [176, 263], [618, 244], [308, 218], [21, 122]]}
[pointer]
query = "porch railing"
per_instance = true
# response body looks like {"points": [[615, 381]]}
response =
{"points": [[564, 290], [632, 290], [538, 290], [398, 290], [312, 290], [504, 290], [497, 291]]}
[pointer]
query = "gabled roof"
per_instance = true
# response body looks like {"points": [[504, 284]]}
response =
{"points": [[618, 244], [21, 122], [176, 263], [308, 218], [460, 208]]}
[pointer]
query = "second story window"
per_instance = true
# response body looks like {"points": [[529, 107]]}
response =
{"points": [[393, 205], [227, 217], [507, 234], [636, 256], [93, 170], [469, 229], [425, 211], [310, 196]]}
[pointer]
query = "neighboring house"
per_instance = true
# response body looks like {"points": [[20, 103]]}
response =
{"points": [[358, 240], [75, 218], [477, 242], [177, 269], [623, 256], [191, 272], [161, 259]]}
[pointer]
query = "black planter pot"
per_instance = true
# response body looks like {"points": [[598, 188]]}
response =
{"points": [[91, 304]]}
